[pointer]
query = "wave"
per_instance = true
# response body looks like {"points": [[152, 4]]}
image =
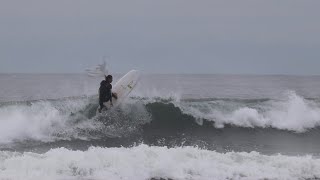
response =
{"points": [[292, 112], [150, 162], [36, 120], [74, 118], [66, 119]]}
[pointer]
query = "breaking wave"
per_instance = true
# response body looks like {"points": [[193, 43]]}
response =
{"points": [[74, 118], [150, 162], [292, 112]]}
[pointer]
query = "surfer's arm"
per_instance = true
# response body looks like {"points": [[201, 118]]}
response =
{"points": [[115, 95], [111, 98]]}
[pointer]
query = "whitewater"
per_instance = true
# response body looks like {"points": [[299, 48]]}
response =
{"points": [[171, 127], [144, 162]]}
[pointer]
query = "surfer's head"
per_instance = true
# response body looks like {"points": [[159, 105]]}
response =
{"points": [[109, 78]]}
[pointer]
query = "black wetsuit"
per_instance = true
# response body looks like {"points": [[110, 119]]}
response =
{"points": [[105, 93]]}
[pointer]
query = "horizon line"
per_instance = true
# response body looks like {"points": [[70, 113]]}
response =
{"points": [[84, 73]]}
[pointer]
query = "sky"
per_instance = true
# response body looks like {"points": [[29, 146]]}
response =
{"points": [[161, 36]]}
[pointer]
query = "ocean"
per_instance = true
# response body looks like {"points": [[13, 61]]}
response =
{"points": [[171, 127]]}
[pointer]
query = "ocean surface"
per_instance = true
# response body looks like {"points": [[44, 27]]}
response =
{"points": [[171, 127]]}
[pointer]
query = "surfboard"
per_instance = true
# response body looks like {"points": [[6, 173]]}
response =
{"points": [[123, 88]]}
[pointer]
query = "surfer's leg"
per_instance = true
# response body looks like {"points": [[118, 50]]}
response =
{"points": [[101, 106]]}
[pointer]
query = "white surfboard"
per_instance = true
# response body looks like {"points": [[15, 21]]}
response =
{"points": [[124, 87]]}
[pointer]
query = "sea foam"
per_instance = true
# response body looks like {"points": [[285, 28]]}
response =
{"points": [[292, 112], [145, 162], [37, 120]]}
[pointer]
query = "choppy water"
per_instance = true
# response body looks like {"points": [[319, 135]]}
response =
{"points": [[171, 127]]}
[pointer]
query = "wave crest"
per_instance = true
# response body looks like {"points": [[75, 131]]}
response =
{"points": [[292, 113]]}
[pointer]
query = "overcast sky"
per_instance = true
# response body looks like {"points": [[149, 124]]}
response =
{"points": [[161, 36]]}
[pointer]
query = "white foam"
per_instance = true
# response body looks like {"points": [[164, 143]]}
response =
{"points": [[144, 162], [37, 121], [292, 113], [154, 93]]}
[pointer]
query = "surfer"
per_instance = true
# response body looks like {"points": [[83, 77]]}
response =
{"points": [[105, 92]]}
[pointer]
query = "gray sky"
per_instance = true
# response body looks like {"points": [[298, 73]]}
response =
{"points": [[161, 36]]}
